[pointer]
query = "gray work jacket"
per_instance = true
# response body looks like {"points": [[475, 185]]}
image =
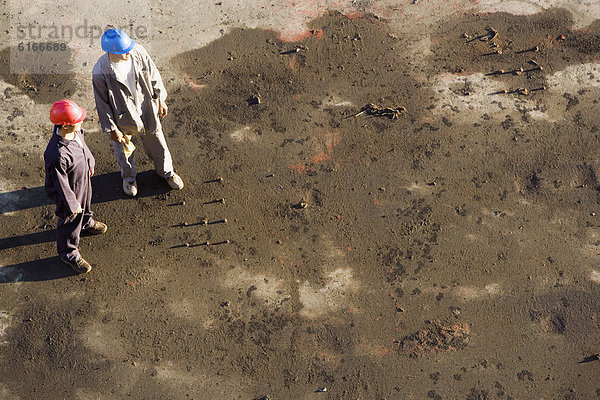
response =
{"points": [[115, 103], [68, 165]]}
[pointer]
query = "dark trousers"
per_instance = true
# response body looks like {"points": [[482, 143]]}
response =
{"points": [[69, 229]]}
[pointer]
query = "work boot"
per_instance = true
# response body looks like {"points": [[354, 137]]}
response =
{"points": [[130, 189], [175, 182], [96, 229], [80, 266]]}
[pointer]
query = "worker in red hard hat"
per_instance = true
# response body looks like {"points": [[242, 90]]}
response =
{"points": [[69, 166], [130, 97]]}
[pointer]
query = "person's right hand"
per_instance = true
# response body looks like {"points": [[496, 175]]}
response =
{"points": [[116, 136]]}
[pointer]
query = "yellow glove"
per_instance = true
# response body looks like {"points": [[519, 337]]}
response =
{"points": [[128, 146]]}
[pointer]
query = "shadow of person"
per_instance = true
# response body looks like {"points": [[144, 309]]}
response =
{"points": [[29, 239], [44, 269], [105, 188]]}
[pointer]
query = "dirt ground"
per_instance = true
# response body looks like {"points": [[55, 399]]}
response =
{"points": [[448, 250]]}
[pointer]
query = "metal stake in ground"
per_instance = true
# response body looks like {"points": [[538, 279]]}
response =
{"points": [[217, 179], [221, 201]]}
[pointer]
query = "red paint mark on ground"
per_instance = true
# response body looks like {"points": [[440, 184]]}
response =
{"points": [[190, 81], [349, 248], [383, 351], [373, 350], [318, 33], [324, 143], [354, 15], [299, 168], [317, 158], [297, 12], [293, 36], [285, 36]]}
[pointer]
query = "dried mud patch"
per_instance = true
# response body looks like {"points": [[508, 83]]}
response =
{"points": [[436, 337]]}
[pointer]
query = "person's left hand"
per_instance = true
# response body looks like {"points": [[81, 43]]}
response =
{"points": [[162, 110]]}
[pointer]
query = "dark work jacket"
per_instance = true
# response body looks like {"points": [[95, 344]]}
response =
{"points": [[68, 167]]}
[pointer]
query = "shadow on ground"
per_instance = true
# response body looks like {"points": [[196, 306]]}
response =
{"points": [[29, 239], [44, 269], [106, 187]]}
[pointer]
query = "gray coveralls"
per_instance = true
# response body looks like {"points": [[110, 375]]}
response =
{"points": [[68, 184], [117, 110]]}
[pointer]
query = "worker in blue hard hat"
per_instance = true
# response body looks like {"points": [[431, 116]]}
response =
{"points": [[130, 98]]}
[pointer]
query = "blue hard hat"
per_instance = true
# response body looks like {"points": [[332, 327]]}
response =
{"points": [[116, 41]]}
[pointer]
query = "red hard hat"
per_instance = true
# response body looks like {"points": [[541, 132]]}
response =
{"points": [[66, 112]]}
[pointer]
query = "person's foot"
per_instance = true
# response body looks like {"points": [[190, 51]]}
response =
{"points": [[130, 189], [80, 266], [175, 182], [96, 229]]}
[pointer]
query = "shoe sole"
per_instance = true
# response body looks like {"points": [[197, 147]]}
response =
{"points": [[93, 232]]}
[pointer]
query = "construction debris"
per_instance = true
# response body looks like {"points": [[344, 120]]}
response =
{"points": [[375, 110], [490, 35]]}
